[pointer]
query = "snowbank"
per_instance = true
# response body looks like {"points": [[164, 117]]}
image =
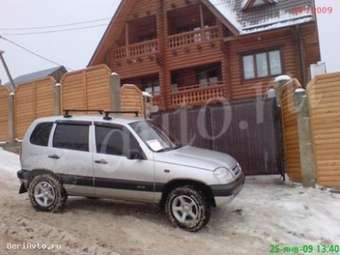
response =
{"points": [[9, 162]]}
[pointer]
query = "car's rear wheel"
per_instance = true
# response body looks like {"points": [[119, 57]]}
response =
{"points": [[188, 208], [46, 193]]}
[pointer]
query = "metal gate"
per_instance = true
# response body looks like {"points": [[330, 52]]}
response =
{"points": [[248, 130]]}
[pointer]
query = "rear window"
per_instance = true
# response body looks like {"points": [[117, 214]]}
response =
{"points": [[72, 137], [41, 134]]}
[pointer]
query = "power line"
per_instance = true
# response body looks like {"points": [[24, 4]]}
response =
{"points": [[31, 51], [55, 31], [54, 26]]}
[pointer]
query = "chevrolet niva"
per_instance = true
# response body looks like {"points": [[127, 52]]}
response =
{"points": [[124, 158]]}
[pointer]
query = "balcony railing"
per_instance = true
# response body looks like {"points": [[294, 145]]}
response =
{"points": [[197, 95], [201, 35], [136, 49]]}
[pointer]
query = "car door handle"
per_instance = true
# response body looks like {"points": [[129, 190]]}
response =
{"points": [[54, 156], [102, 161]]}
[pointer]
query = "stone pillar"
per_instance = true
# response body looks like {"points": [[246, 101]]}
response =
{"points": [[115, 92], [305, 138], [57, 99], [11, 118], [280, 81]]}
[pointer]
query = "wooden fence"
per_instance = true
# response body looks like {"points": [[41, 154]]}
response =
{"points": [[4, 93], [132, 99], [324, 106], [31, 101], [86, 89], [290, 131]]}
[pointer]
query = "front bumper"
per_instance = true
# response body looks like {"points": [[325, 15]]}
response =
{"points": [[225, 193]]}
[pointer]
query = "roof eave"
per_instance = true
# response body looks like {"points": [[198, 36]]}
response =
{"points": [[223, 19]]}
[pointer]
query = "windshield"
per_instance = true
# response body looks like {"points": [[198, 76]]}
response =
{"points": [[153, 137]]}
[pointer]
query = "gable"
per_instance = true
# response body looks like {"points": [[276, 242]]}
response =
{"points": [[268, 15], [246, 4]]}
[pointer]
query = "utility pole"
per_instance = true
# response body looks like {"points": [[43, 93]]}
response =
{"points": [[7, 70]]}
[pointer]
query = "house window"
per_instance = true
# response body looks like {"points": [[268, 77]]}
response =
{"points": [[151, 85], [262, 64]]}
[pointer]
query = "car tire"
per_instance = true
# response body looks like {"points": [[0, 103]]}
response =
{"points": [[187, 208], [46, 193]]}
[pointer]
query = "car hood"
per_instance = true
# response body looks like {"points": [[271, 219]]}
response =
{"points": [[197, 157]]}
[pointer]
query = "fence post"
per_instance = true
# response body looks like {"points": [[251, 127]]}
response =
{"points": [[115, 92], [279, 83], [305, 138], [56, 99], [11, 124]]}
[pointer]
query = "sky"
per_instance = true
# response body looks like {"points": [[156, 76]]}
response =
{"points": [[329, 35], [74, 48], [70, 48]]}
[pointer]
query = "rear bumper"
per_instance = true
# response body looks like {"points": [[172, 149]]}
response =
{"points": [[225, 193]]}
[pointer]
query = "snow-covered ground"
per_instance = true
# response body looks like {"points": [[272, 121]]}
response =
{"points": [[266, 212]]}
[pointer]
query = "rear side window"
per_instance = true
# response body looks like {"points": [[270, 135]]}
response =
{"points": [[41, 134], [72, 137]]}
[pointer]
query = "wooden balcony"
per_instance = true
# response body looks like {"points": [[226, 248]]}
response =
{"points": [[137, 49], [194, 37], [196, 95]]}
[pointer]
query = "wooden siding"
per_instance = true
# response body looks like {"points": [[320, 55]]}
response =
{"points": [[3, 113], [132, 99], [283, 40], [87, 89], [187, 51], [195, 54], [290, 132], [324, 94], [33, 100]]}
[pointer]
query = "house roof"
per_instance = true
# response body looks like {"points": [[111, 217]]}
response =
{"points": [[278, 14], [240, 20], [37, 75]]}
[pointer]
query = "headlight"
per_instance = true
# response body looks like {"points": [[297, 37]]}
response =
{"points": [[223, 174]]}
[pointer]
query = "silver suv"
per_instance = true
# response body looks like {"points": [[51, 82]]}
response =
{"points": [[115, 157]]}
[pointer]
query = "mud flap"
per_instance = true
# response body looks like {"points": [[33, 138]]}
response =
{"points": [[22, 188]]}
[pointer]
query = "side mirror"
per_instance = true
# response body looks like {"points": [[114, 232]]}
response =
{"points": [[132, 155]]}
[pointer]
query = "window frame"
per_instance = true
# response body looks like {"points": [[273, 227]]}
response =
{"points": [[49, 136], [71, 123], [253, 53]]}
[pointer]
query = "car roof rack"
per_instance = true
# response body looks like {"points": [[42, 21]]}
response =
{"points": [[107, 113], [68, 115]]}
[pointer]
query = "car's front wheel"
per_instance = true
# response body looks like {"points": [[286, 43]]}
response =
{"points": [[188, 208], [46, 193]]}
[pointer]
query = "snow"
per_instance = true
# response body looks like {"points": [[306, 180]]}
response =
{"points": [[267, 211], [284, 19], [9, 162], [299, 90], [146, 94], [275, 24], [282, 78], [224, 7], [256, 3]]}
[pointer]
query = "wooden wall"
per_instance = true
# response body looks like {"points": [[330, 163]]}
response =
{"points": [[290, 132], [132, 99], [33, 100], [4, 93], [324, 103], [86, 89]]}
